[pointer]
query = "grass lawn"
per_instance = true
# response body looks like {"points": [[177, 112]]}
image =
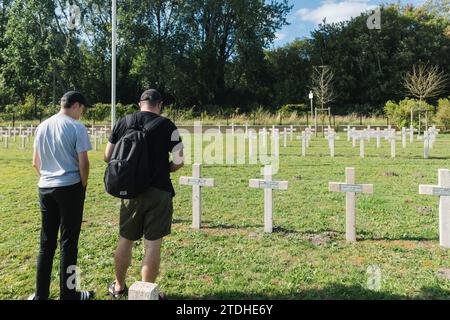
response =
{"points": [[305, 258]]}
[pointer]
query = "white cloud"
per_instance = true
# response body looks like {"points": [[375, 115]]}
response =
{"points": [[335, 11], [280, 36]]}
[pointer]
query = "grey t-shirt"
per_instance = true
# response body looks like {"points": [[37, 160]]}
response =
{"points": [[59, 140]]}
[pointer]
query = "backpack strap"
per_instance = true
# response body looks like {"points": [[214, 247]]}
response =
{"points": [[152, 125], [131, 120]]}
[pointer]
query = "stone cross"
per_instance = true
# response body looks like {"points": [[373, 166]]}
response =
{"points": [[15, 132], [276, 143], [252, 145], [24, 137], [268, 185], [331, 137], [304, 143], [95, 141], [197, 183], [442, 190], [6, 136], [264, 138], [411, 134], [291, 131], [309, 134], [350, 188], [404, 137], [353, 136], [426, 144], [348, 130], [392, 137]]}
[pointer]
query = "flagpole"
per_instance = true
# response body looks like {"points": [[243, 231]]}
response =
{"points": [[114, 66]]}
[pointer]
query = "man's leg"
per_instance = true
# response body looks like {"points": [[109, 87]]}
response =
{"points": [[122, 261], [49, 238], [71, 203], [152, 259]]}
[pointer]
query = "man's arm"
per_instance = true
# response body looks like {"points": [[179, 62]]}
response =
{"points": [[108, 152], [84, 167], [37, 162], [178, 160]]}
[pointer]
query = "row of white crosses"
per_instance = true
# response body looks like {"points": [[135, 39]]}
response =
{"points": [[365, 135], [98, 136], [197, 183], [349, 187], [24, 133]]}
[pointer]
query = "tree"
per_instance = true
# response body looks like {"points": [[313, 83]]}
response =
{"points": [[322, 85], [425, 82]]}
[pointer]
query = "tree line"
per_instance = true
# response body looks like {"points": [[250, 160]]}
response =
{"points": [[211, 55]]}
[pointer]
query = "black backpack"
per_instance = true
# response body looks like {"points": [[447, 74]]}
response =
{"points": [[129, 171]]}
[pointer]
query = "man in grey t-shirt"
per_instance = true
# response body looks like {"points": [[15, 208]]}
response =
{"points": [[61, 162]]}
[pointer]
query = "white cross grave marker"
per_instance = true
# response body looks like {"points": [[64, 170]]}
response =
{"points": [[197, 183], [426, 144], [291, 131], [304, 143], [252, 146], [348, 130], [404, 137], [268, 185], [362, 136], [442, 190], [6, 136], [15, 132], [331, 137], [392, 137], [350, 188]]}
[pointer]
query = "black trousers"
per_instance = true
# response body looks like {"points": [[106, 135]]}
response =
{"points": [[61, 208]]}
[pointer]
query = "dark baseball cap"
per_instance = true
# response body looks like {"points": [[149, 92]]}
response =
{"points": [[72, 97], [151, 95]]}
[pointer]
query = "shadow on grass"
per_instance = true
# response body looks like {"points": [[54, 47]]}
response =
{"points": [[364, 236], [330, 292]]}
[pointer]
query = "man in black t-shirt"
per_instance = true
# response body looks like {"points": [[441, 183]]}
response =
{"points": [[150, 214]]}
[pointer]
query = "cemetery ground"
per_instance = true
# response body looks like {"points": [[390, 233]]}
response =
{"points": [[306, 257]]}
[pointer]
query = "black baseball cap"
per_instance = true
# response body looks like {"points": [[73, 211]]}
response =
{"points": [[151, 95], [72, 97]]}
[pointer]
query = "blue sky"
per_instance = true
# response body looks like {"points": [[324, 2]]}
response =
{"points": [[307, 14]]}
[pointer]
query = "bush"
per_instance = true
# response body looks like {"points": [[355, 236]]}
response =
{"points": [[443, 114], [291, 108], [102, 112], [400, 113]]}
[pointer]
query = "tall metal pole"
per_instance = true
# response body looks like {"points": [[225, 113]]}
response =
{"points": [[114, 67]]}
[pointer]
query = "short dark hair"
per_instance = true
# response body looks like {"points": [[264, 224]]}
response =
{"points": [[72, 97], [152, 96]]}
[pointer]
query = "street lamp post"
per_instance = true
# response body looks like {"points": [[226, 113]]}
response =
{"points": [[113, 61], [311, 98]]}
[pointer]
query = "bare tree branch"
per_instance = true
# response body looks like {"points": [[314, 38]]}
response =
{"points": [[322, 85], [425, 82]]}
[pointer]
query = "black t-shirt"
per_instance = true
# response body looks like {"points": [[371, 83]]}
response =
{"points": [[162, 141]]}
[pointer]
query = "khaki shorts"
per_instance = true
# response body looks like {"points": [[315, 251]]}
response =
{"points": [[149, 215]]}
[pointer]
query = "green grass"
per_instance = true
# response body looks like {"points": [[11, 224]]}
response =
{"points": [[305, 258]]}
